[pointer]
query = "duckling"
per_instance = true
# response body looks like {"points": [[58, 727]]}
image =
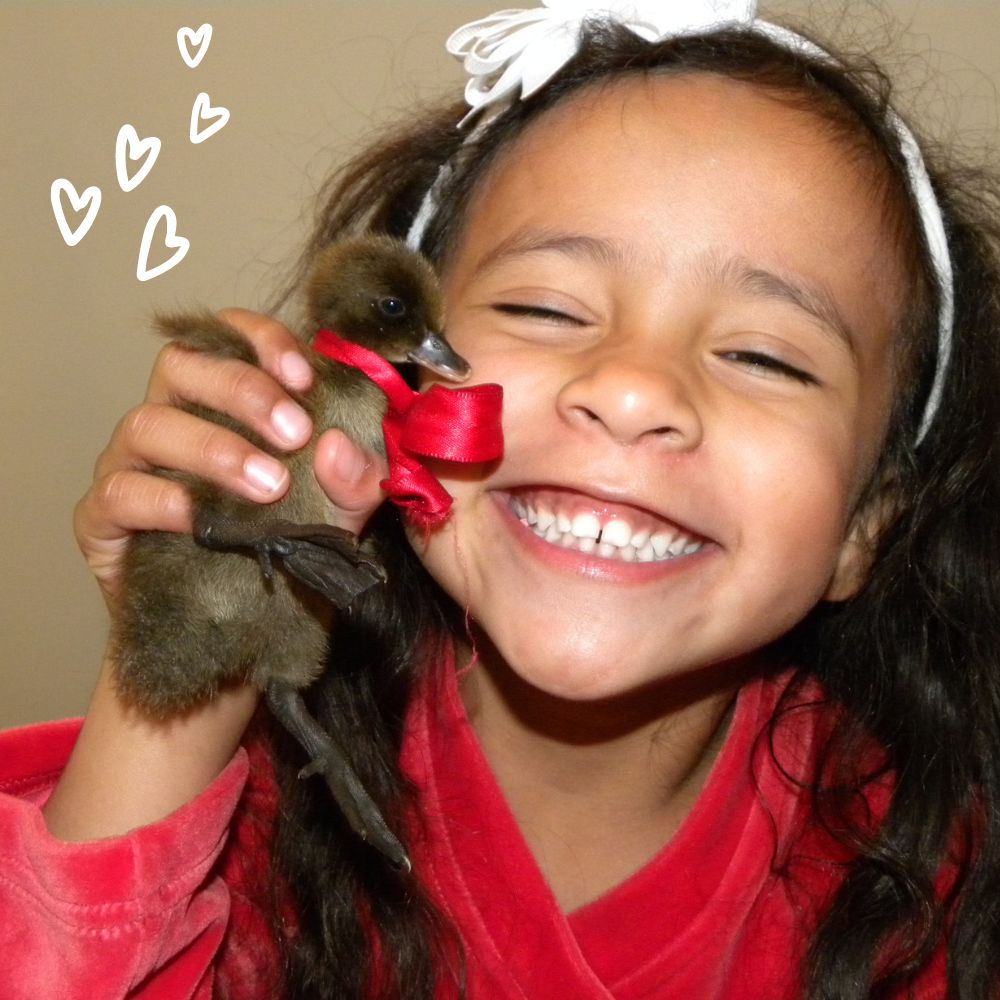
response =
{"points": [[251, 595]]}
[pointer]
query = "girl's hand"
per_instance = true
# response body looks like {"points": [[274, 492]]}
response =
{"points": [[126, 497]]}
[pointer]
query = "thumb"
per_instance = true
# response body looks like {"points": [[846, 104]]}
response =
{"points": [[350, 477]]}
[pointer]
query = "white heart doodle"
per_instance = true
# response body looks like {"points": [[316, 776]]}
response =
{"points": [[78, 202], [187, 38], [180, 244], [128, 146], [202, 109]]}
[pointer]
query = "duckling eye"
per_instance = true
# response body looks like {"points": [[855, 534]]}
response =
{"points": [[392, 307]]}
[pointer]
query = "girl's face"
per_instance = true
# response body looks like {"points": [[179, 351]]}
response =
{"points": [[685, 289]]}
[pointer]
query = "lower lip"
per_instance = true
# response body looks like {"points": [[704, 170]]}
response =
{"points": [[590, 566]]}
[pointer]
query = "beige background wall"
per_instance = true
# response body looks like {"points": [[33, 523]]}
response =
{"points": [[303, 82]]}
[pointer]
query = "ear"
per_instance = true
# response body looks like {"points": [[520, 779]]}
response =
{"points": [[857, 551], [851, 569]]}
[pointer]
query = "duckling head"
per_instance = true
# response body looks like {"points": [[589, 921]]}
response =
{"points": [[378, 293]]}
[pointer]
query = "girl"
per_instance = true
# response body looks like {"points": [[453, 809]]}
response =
{"points": [[697, 694]]}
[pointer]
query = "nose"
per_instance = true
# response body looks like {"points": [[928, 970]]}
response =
{"points": [[633, 399]]}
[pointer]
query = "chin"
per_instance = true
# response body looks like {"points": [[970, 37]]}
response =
{"points": [[574, 684], [580, 671], [592, 667]]}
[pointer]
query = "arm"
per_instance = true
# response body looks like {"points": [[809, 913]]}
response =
{"points": [[139, 916], [127, 770]]}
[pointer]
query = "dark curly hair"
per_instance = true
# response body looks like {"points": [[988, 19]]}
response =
{"points": [[912, 661]]}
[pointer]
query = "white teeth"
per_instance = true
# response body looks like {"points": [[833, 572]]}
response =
{"points": [[661, 543], [640, 538], [612, 540], [676, 547], [586, 526], [545, 518], [616, 533]]}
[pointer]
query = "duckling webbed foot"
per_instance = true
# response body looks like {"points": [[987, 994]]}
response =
{"points": [[325, 558]]}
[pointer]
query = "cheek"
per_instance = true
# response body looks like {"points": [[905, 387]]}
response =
{"points": [[531, 385], [792, 499], [457, 554], [452, 552]]}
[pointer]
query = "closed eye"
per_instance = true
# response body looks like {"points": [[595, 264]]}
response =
{"points": [[536, 312], [765, 364]]}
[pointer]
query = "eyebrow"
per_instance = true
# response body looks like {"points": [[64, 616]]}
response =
{"points": [[738, 273], [527, 241], [734, 272]]}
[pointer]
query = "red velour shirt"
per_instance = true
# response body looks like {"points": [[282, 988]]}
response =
{"points": [[174, 911]]}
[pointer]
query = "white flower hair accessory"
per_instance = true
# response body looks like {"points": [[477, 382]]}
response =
{"points": [[513, 53], [521, 50]]}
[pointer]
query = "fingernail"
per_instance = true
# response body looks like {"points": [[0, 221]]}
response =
{"points": [[295, 370], [290, 421], [264, 473], [349, 463]]}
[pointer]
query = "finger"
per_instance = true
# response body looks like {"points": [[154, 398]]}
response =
{"points": [[155, 436], [121, 503], [244, 392], [350, 477], [126, 501], [281, 353]]}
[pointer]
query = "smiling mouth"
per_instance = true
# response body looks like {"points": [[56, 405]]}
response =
{"points": [[628, 537]]}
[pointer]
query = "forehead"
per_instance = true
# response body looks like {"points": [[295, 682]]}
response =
{"points": [[677, 170]]}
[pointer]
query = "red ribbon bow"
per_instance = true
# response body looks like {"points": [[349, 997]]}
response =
{"points": [[458, 425]]}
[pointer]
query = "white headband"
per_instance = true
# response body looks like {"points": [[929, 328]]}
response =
{"points": [[513, 53]]}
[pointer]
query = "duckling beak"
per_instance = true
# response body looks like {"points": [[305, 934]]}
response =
{"points": [[437, 355]]}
